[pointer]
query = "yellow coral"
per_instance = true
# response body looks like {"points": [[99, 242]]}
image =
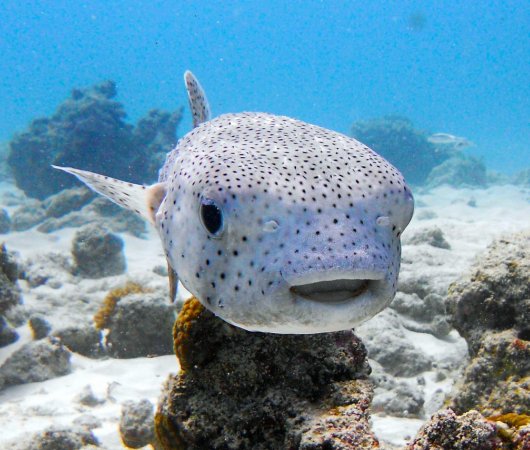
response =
{"points": [[513, 420], [104, 313], [190, 311]]}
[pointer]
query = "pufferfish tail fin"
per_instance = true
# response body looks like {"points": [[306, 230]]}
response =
{"points": [[143, 200], [200, 108]]}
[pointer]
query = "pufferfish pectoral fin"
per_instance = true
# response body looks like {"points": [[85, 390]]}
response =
{"points": [[200, 109], [143, 200]]}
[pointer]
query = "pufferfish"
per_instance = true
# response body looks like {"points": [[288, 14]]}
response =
{"points": [[274, 224]]}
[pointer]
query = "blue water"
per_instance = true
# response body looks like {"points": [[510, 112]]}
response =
{"points": [[461, 67]]}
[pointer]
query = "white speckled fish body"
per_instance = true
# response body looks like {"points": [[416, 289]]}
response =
{"points": [[274, 224], [301, 205]]}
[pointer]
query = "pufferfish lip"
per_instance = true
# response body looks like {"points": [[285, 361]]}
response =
{"points": [[333, 291]]}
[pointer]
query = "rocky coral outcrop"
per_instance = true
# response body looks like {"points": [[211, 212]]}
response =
{"points": [[446, 430], [406, 147], [458, 171], [264, 391], [30, 214], [97, 252], [140, 325], [491, 309], [137, 423], [83, 132], [35, 361]]}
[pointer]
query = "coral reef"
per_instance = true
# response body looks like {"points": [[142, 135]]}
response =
{"points": [[97, 252], [396, 139], [35, 361], [264, 391], [522, 177], [491, 308], [458, 171], [137, 424], [89, 131]]}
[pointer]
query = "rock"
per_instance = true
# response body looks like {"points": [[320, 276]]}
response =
{"points": [[431, 236], [446, 430], [403, 400], [62, 438], [496, 381], [243, 390], [48, 268], [5, 222], [68, 200], [425, 215], [491, 308], [496, 293], [386, 343], [396, 139], [40, 327], [458, 171], [7, 334], [88, 422], [82, 339], [137, 427], [9, 290], [121, 220], [27, 216], [89, 131], [87, 397], [97, 252], [522, 177], [140, 325], [425, 315], [36, 361]]}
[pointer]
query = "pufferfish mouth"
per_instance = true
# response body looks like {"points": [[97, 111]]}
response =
{"points": [[333, 291]]}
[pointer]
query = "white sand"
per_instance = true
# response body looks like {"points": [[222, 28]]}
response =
{"points": [[32, 407]]}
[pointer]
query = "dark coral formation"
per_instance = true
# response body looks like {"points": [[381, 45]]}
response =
{"points": [[243, 390], [89, 131], [406, 147], [491, 309]]}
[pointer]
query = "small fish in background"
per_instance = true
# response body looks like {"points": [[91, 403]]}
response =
{"points": [[275, 225], [449, 139]]}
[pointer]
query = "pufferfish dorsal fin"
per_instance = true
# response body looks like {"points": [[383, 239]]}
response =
{"points": [[143, 200], [200, 109]]}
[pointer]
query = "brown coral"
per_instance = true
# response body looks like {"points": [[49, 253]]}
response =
{"points": [[102, 316], [190, 312]]}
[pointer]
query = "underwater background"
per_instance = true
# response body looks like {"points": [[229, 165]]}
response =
{"points": [[87, 334], [459, 67]]}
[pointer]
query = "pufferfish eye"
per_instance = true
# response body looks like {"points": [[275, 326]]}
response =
{"points": [[211, 216]]}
